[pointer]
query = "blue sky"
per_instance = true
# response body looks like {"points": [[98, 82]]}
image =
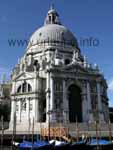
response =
{"points": [[85, 18]]}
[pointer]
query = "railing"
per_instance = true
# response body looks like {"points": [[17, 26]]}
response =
{"points": [[83, 128]]}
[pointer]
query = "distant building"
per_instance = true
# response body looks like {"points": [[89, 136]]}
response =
{"points": [[5, 90], [53, 82], [5, 100]]}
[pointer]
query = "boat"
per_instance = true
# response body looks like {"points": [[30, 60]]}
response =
{"points": [[60, 145], [38, 145], [100, 144], [25, 145], [43, 145]]}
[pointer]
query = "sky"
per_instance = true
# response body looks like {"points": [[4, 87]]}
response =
{"points": [[89, 20]]}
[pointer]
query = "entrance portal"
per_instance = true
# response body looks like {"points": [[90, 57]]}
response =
{"points": [[75, 104]]}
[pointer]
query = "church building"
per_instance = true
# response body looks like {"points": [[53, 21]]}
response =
{"points": [[53, 82]]}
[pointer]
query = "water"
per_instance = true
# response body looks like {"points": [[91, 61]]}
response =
{"points": [[96, 148], [9, 148]]}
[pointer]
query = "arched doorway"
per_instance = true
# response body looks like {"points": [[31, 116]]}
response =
{"points": [[75, 103]]}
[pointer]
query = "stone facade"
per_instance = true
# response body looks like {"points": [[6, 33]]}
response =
{"points": [[54, 83]]}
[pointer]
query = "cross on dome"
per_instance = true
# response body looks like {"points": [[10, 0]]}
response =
{"points": [[52, 6]]}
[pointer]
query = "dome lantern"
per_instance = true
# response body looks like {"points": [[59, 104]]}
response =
{"points": [[52, 17]]}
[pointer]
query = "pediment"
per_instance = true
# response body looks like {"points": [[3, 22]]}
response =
{"points": [[24, 75]]}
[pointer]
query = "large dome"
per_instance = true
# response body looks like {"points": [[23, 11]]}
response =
{"points": [[53, 33]]}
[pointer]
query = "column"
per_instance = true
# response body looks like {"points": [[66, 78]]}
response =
{"points": [[19, 110], [90, 117], [52, 94], [85, 117], [65, 104], [38, 113], [13, 87], [99, 97], [52, 111], [34, 108], [37, 110], [12, 112], [101, 117], [47, 96], [12, 109], [28, 108], [36, 100]]}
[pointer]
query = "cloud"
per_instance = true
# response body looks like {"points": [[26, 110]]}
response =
{"points": [[110, 84]]}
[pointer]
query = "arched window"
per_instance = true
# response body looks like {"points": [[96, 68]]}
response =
{"points": [[49, 18], [29, 88], [25, 87], [19, 89]]}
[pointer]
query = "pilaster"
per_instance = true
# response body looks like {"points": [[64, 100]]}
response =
{"points": [[90, 116], [19, 105], [36, 101], [28, 108], [48, 97], [101, 117], [65, 104]]}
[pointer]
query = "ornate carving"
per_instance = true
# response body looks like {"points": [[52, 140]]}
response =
{"points": [[58, 85], [23, 105], [36, 65], [94, 102], [93, 87]]}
